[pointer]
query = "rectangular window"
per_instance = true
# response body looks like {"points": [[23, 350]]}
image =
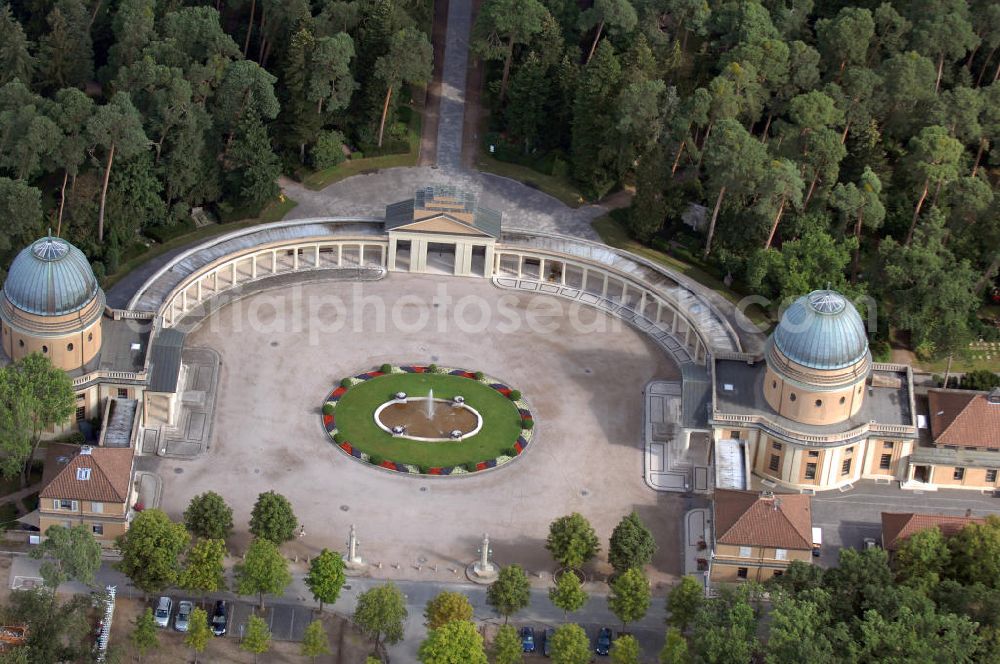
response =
{"points": [[734, 434], [774, 463], [65, 505], [97, 528], [849, 451], [81, 413], [781, 554], [123, 393], [885, 461], [778, 572], [991, 475], [741, 572], [83, 474], [97, 508], [846, 467], [813, 454], [744, 552], [959, 474], [810, 471], [887, 445], [776, 446]]}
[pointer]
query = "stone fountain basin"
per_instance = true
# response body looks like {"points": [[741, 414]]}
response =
{"points": [[412, 414]]}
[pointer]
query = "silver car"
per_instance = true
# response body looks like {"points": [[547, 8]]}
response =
{"points": [[183, 616], [162, 613]]}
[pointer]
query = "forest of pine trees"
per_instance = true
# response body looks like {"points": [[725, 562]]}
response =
{"points": [[849, 144]]}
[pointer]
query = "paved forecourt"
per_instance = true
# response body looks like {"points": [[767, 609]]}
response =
{"points": [[581, 371]]}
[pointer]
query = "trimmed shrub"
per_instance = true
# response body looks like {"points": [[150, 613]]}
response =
{"points": [[527, 423], [515, 395], [510, 451], [328, 408], [346, 382], [338, 438], [329, 150], [385, 368], [424, 469], [479, 375], [76, 438], [470, 467], [432, 368], [375, 459]]}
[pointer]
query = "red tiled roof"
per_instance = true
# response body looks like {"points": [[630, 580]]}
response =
{"points": [[746, 518], [898, 526], [963, 418], [110, 473]]}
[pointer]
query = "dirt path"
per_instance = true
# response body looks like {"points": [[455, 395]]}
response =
{"points": [[432, 101]]}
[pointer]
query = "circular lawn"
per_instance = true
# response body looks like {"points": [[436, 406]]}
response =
{"points": [[502, 436]]}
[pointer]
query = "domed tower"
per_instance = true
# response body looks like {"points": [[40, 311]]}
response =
{"points": [[52, 305], [818, 360]]}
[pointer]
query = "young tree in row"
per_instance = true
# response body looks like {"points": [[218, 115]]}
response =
{"points": [[315, 642], [204, 568], [150, 549], [453, 642], [675, 648], [510, 592], [208, 516], [507, 647], [684, 602], [572, 541], [144, 637], [570, 645], [409, 60], [199, 633], [257, 639], [568, 593], [630, 596], [272, 518], [264, 571], [502, 24], [380, 614], [326, 577], [625, 650], [631, 545], [446, 607], [68, 553], [34, 395]]}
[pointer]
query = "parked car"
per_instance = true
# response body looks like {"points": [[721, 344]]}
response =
{"points": [[603, 645], [547, 643], [220, 618], [527, 639], [183, 616], [162, 613]]}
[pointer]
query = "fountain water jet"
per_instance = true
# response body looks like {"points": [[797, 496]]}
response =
{"points": [[430, 404]]}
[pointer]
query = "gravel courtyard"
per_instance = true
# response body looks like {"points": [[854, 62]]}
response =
{"points": [[581, 371]]}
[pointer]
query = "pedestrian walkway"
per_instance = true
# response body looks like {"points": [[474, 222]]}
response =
{"points": [[456, 58]]}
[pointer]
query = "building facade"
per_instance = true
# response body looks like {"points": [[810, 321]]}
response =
{"points": [[814, 412]]}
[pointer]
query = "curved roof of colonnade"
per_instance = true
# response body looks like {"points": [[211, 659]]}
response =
{"points": [[724, 327]]}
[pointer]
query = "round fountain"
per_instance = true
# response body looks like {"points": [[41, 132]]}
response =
{"points": [[428, 418]]}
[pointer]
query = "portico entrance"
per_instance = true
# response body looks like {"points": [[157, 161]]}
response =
{"points": [[441, 231]]}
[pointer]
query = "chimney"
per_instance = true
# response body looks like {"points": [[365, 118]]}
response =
{"points": [[994, 396], [86, 449]]}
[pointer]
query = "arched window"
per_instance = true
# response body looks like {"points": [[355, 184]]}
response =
{"points": [[792, 397], [69, 347], [819, 402], [45, 349]]}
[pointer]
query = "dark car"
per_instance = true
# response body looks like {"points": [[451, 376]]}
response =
{"points": [[603, 645], [547, 643], [220, 618], [527, 639]]}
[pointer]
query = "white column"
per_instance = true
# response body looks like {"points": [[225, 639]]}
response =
{"points": [[253, 266], [391, 260]]}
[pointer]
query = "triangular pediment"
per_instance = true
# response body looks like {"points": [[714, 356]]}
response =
{"points": [[442, 224]]}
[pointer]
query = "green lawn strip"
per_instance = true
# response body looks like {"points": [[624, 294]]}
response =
{"points": [[321, 179], [354, 418], [613, 234], [275, 211], [557, 187]]}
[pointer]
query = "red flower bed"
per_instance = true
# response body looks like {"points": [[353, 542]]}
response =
{"points": [[481, 465], [346, 446], [327, 420], [338, 392], [388, 465]]}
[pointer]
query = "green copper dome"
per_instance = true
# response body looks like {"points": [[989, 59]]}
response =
{"points": [[50, 277], [822, 330]]}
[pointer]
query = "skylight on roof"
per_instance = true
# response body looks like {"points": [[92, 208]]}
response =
{"points": [[83, 473], [728, 387]]}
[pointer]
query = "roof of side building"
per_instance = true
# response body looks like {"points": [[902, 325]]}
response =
{"points": [[108, 480], [964, 418], [747, 518], [897, 526]]}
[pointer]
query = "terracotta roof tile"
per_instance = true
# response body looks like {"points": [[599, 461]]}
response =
{"points": [[964, 418], [110, 476], [746, 518], [898, 526]]}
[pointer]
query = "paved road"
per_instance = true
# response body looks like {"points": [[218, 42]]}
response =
{"points": [[452, 112], [539, 614]]}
